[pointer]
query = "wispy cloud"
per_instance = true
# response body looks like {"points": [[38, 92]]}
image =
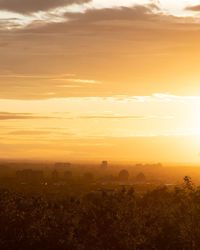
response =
{"points": [[193, 8], [20, 116], [87, 81], [111, 117], [169, 97], [137, 117], [32, 6], [41, 76], [163, 97], [30, 132], [76, 80]]}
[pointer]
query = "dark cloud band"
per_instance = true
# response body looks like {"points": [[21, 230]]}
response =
{"points": [[193, 8], [19, 116], [31, 6]]}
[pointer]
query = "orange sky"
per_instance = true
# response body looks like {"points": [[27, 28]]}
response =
{"points": [[89, 80]]}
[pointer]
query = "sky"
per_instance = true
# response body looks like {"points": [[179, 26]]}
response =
{"points": [[100, 80]]}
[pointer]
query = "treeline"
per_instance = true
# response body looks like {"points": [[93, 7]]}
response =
{"points": [[120, 220]]}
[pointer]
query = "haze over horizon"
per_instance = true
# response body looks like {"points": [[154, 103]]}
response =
{"points": [[97, 79]]}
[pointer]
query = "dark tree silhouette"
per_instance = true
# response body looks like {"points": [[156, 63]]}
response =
{"points": [[161, 219], [123, 175]]}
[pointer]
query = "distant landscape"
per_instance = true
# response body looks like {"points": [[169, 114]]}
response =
{"points": [[101, 206]]}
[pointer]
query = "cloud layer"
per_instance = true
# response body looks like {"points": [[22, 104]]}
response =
{"points": [[114, 51], [193, 8], [31, 6], [19, 116]]}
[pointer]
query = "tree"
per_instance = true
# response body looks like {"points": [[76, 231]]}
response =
{"points": [[123, 175], [140, 178]]}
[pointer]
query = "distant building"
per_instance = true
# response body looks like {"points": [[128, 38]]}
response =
{"points": [[104, 164], [29, 176]]}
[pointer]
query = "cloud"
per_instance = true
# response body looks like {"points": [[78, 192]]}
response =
{"points": [[138, 12], [20, 116], [29, 132], [193, 8], [113, 117], [77, 80], [99, 18], [136, 117], [122, 48], [42, 86], [31, 6], [37, 77]]}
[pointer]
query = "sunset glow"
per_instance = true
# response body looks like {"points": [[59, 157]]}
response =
{"points": [[93, 79]]}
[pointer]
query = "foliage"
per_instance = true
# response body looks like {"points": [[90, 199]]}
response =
{"points": [[159, 219]]}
